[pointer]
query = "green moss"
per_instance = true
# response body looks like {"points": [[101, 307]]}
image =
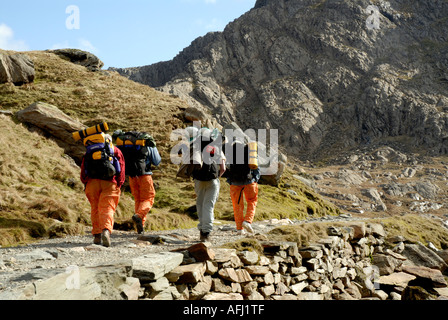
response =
{"points": [[245, 244]]}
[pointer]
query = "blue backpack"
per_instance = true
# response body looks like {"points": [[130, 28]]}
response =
{"points": [[100, 161]]}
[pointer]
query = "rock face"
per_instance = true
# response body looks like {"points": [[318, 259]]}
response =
{"points": [[321, 73], [17, 69]]}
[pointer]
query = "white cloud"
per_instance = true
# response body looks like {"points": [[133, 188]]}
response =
{"points": [[86, 45], [7, 41]]}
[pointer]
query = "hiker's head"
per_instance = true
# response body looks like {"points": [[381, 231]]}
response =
{"points": [[108, 139], [117, 133], [191, 133], [206, 134]]}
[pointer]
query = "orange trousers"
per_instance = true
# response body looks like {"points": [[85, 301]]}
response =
{"points": [[142, 188], [238, 193], [103, 197]]}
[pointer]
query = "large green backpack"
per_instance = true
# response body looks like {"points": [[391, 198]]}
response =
{"points": [[134, 145]]}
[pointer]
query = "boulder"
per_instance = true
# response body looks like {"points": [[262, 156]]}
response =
{"points": [[443, 254], [386, 263], [194, 114], [374, 195], [200, 289], [56, 124], [202, 251], [359, 230], [416, 293], [155, 265], [87, 283], [83, 58], [249, 257], [238, 276], [190, 273], [17, 69], [34, 255], [420, 255], [227, 257], [298, 287], [257, 270], [433, 277], [376, 229], [398, 279]]}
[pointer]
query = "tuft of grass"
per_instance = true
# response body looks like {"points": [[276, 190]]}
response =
{"points": [[302, 234], [169, 220], [245, 244], [417, 228], [60, 230]]}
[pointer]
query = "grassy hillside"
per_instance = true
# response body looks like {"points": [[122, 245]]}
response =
{"points": [[39, 185], [39, 189]]}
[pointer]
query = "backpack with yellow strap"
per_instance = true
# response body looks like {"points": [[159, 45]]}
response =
{"points": [[99, 161]]}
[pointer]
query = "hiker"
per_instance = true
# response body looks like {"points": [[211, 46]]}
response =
{"points": [[140, 153], [243, 186], [206, 179], [103, 180]]}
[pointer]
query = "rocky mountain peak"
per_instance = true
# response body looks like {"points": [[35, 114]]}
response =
{"points": [[329, 75]]}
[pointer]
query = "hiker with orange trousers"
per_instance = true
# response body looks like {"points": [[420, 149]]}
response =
{"points": [[103, 193], [139, 158], [243, 188], [142, 188]]}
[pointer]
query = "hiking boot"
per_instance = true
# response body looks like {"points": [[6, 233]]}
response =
{"points": [[205, 236], [248, 227], [97, 239], [241, 232], [105, 236], [139, 223]]}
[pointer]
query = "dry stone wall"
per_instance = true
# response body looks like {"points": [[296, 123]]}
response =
{"points": [[352, 263]]}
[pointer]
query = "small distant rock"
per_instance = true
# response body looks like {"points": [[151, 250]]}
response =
{"points": [[34, 256]]}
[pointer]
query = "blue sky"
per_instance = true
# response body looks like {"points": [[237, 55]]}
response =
{"points": [[121, 33]]}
